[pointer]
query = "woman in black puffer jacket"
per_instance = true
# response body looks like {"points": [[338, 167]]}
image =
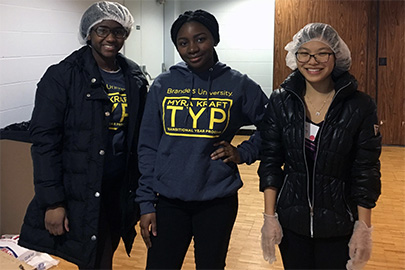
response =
{"points": [[320, 169], [84, 132]]}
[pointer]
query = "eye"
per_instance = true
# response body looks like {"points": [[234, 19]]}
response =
{"points": [[182, 43], [102, 30], [201, 39], [303, 53], [323, 54], [120, 32]]}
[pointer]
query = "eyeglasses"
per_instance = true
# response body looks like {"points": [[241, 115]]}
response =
{"points": [[304, 57], [103, 32]]}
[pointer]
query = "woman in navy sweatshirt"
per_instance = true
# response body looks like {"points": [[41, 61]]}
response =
{"points": [[189, 183]]}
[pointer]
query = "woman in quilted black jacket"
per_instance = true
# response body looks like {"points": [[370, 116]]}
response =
{"points": [[84, 131], [320, 169]]}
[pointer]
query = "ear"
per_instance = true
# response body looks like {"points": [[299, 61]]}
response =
{"points": [[88, 40]]}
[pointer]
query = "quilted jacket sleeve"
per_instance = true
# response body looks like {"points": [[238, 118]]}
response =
{"points": [[46, 131], [366, 184], [272, 152]]}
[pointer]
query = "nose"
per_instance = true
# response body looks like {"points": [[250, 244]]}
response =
{"points": [[193, 47], [312, 59], [110, 37]]}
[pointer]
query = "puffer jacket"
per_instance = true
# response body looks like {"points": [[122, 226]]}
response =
{"points": [[346, 170], [69, 129]]}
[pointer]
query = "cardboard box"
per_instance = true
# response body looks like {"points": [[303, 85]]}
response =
{"points": [[8, 262]]}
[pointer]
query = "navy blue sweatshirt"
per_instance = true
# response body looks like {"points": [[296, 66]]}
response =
{"points": [[185, 114]]}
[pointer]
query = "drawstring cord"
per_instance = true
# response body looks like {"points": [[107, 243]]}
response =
{"points": [[189, 100], [209, 90], [191, 94]]}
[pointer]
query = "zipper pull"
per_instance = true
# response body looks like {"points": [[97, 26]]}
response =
{"points": [[312, 221]]}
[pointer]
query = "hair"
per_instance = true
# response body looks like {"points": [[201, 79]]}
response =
{"points": [[200, 16]]}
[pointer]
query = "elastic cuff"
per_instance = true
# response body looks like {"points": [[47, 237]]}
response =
{"points": [[146, 208], [270, 216], [56, 205]]}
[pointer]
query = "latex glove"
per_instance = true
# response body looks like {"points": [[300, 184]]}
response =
{"points": [[360, 246], [271, 236]]}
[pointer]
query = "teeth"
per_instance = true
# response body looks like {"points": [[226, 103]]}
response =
{"points": [[313, 70]]}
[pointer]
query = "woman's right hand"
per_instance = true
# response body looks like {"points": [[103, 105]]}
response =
{"points": [[148, 225], [56, 221]]}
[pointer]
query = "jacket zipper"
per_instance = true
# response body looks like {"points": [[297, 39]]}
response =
{"points": [[312, 199], [349, 211], [316, 157], [313, 176], [281, 190]]}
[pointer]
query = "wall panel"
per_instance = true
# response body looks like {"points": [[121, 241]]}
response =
{"points": [[391, 77], [351, 19]]}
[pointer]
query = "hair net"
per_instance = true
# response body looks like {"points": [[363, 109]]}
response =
{"points": [[324, 33], [200, 16], [101, 11]]}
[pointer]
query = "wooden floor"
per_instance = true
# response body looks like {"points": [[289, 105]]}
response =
{"points": [[245, 252]]}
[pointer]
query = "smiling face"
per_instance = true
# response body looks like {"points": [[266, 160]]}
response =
{"points": [[105, 49], [313, 71], [195, 45]]}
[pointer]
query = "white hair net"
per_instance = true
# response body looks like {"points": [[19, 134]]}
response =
{"points": [[101, 11], [324, 33]]}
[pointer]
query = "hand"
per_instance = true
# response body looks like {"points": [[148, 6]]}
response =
{"points": [[271, 236], [56, 221], [148, 224], [360, 246], [227, 151]]}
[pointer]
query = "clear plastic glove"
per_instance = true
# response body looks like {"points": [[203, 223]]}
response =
{"points": [[271, 236], [360, 246]]}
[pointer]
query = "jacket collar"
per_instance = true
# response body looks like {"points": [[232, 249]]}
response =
{"points": [[215, 71], [84, 59], [345, 84]]}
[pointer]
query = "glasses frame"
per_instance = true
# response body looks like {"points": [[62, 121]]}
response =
{"points": [[110, 31], [314, 56]]}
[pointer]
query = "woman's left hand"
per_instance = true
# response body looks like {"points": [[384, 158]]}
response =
{"points": [[227, 152]]}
